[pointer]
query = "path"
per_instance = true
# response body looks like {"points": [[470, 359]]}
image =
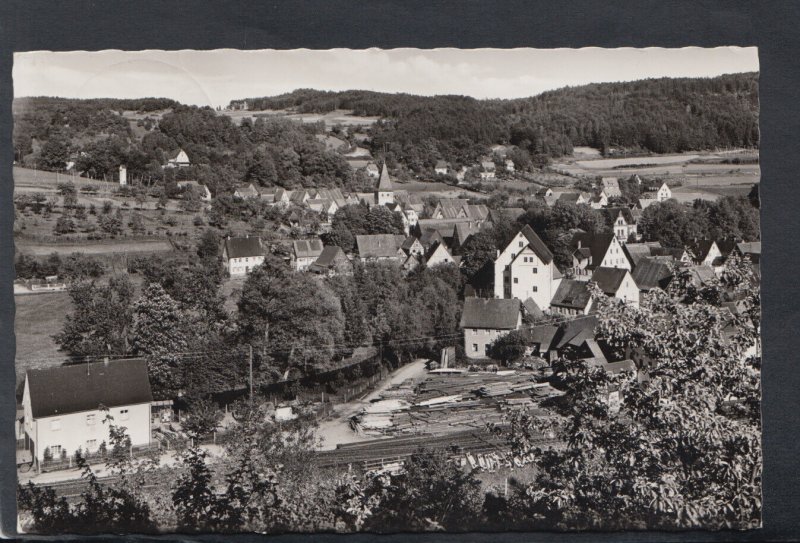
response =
{"points": [[337, 429]]}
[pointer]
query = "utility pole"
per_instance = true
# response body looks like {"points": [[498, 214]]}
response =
{"points": [[250, 358]]}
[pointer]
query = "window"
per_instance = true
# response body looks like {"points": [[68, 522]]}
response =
{"points": [[475, 347], [55, 450], [91, 444], [55, 424], [535, 288], [535, 270], [520, 244], [90, 420], [486, 349], [123, 414], [474, 330], [516, 280]]}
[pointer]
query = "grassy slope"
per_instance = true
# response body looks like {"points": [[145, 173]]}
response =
{"points": [[38, 317]]}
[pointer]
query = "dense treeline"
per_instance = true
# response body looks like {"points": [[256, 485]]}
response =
{"points": [[657, 115]]}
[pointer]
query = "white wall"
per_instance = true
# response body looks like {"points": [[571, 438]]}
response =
{"points": [[238, 267], [628, 292], [529, 277], [615, 257], [72, 431]]}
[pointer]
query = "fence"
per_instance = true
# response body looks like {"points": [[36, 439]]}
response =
{"points": [[96, 457]]}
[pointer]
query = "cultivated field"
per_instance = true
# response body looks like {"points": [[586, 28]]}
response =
{"points": [[340, 116], [102, 247]]}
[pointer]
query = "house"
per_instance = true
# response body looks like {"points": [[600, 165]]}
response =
{"points": [[701, 275], [180, 160], [577, 198], [412, 262], [575, 332], [244, 193], [277, 196], [385, 192], [484, 320], [572, 297], [610, 186], [430, 236], [664, 193], [462, 232], [646, 202], [509, 164], [450, 208], [331, 261], [413, 246], [621, 221], [62, 406], [540, 340], [438, 254], [598, 201], [526, 269], [751, 249], [200, 189], [705, 252], [487, 170], [652, 273], [299, 197], [617, 283], [305, 252], [323, 206], [591, 251], [445, 227], [381, 248], [441, 167], [372, 170], [461, 174], [241, 255], [636, 252]]}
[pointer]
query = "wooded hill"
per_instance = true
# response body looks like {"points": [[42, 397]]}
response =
{"points": [[657, 115]]}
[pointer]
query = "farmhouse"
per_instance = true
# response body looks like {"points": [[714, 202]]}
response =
{"points": [[706, 252], [441, 167], [621, 221], [652, 273], [241, 255], [572, 298], [487, 170], [525, 269], [591, 251], [381, 248], [438, 254], [509, 164], [180, 160], [332, 261], [664, 193], [372, 170], [483, 320], [617, 283], [412, 246], [62, 406], [305, 252], [598, 201]]}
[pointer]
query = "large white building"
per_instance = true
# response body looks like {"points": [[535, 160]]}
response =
{"points": [[62, 406], [241, 255], [525, 269]]}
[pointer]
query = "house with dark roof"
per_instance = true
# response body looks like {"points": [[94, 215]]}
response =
{"points": [[197, 188], [241, 255], [591, 251], [179, 160], [381, 248], [572, 298], [751, 249], [610, 186], [412, 246], [62, 406], [438, 254], [430, 235], [526, 269], [540, 341], [621, 221], [617, 283], [305, 252], [441, 167], [484, 320], [652, 273], [487, 169], [331, 261]]}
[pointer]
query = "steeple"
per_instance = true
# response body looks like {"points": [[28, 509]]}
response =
{"points": [[384, 183]]}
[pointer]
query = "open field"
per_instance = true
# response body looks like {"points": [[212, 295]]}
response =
{"points": [[436, 188], [26, 177], [340, 116], [102, 247], [37, 318]]}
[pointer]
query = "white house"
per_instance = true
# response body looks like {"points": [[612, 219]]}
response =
{"points": [[248, 192], [180, 160], [591, 251], [381, 248], [202, 190], [487, 170], [441, 167], [617, 283], [572, 297], [611, 187], [509, 165], [622, 222], [664, 193], [483, 320], [305, 252], [62, 406], [241, 255], [525, 269], [372, 170], [438, 254]]}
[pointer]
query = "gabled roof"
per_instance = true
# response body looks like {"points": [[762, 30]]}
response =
{"points": [[751, 248], [437, 248], [378, 245], [490, 313], [652, 273], [638, 251], [597, 243], [384, 182], [408, 243], [487, 165], [441, 164], [542, 335], [243, 247], [701, 247], [464, 230], [249, 190], [575, 331], [611, 214], [536, 243], [429, 236], [572, 294], [701, 275], [509, 213], [445, 227], [569, 197], [328, 258], [306, 248], [609, 279], [71, 389], [532, 308]]}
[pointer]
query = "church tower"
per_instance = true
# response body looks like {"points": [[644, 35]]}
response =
{"points": [[385, 194]]}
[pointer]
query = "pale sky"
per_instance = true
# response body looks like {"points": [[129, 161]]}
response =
{"points": [[216, 77]]}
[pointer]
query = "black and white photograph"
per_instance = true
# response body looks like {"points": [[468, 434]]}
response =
{"points": [[387, 290]]}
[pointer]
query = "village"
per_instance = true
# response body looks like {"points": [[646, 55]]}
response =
{"points": [[354, 307]]}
